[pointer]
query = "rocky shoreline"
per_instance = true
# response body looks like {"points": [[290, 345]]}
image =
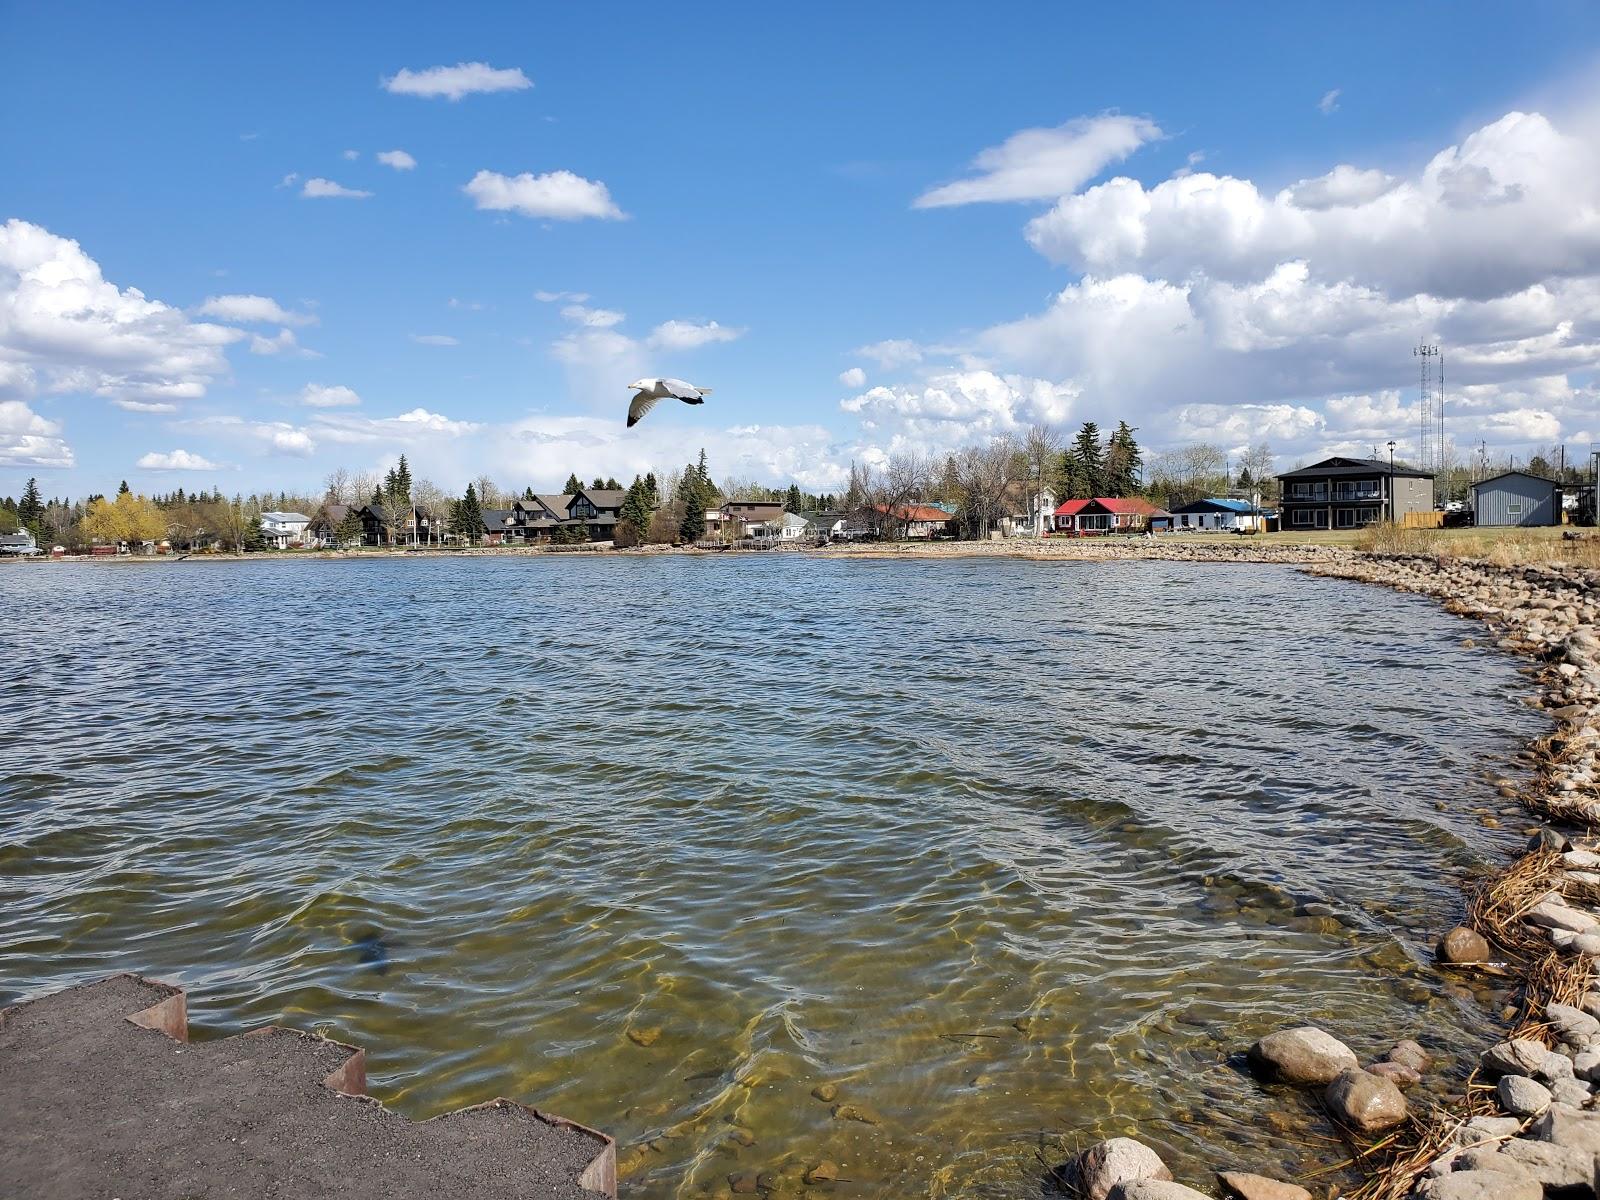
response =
{"points": [[1528, 1122]]}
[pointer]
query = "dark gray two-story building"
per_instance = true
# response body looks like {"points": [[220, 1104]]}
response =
{"points": [[1347, 493]]}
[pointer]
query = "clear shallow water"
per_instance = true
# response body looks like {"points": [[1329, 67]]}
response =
{"points": [[1014, 854]]}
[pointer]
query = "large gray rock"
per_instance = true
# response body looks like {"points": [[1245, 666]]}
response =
{"points": [[1492, 1129], [1571, 1024], [1554, 1166], [1555, 1067], [1586, 1064], [1521, 1096], [1489, 1158], [1570, 1092], [1463, 945], [1482, 1185], [1117, 1160], [1366, 1102], [1306, 1055], [1565, 1125], [1549, 915], [1155, 1189], [1519, 1056], [1244, 1186]]}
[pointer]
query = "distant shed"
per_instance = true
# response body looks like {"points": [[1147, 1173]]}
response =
{"points": [[1516, 498]]}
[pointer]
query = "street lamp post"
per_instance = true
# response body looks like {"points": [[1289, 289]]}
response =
{"points": [[1391, 481]]}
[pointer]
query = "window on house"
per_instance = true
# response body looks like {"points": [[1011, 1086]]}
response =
{"points": [[1303, 517], [1514, 510]]}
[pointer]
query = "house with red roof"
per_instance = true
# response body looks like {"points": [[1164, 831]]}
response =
{"points": [[1107, 514], [916, 520]]}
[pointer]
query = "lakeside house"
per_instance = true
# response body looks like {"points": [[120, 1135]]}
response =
{"points": [[284, 529], [536, 518], [1218, 513], [917, 520], [494, 525], [743, 517], [1106, 514], [323, 529], [17, 544], [1516, 498], [1348, 493]]}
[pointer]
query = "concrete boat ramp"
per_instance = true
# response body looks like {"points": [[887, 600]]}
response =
{"points": [[102, 1096]]}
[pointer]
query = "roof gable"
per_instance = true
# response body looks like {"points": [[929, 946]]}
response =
{"points": [[1521, 475]]}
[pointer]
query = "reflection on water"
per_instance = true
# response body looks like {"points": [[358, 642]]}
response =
{"points": [[929, 868]]}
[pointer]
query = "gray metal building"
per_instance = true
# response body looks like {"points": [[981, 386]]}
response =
{"points": [[1516, 498]]}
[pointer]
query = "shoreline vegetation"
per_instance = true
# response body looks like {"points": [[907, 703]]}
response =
{"points": [[1520, 1121]]}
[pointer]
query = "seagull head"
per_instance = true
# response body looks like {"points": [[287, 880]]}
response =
{"points": [[641, 385]]}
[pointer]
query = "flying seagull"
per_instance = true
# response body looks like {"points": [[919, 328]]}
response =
{"points": [[648, 391]]}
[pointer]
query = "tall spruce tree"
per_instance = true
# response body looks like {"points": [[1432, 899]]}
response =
{"points": [[1123, 462], [693, 525], [1085, 462], [468, 516], [124, 489], [573, 485], [30, 510], [793, 501]]}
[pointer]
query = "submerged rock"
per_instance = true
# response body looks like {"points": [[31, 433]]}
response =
{"points": [[1403, 1077], [826, 1092], [1409, 1053], [1306, 1055], [825, 1171], [1115, 1161], [1463, 945], [1366, 1102]]}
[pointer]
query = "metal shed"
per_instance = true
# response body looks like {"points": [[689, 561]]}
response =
{"points": [[1516, 498]]}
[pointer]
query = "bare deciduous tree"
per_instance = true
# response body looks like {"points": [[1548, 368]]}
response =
{"points": [[1041, 452]]}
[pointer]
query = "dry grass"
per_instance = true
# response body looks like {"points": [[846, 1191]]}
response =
{"points": [[1497, 909], [1389, 538]]}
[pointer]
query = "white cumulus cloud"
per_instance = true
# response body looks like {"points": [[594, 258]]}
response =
{"points": [[64, 325], [854, 377], [29, 440], [398, 159], [453, 83], [1042, 164], [593, 318], [175, 460], [556, 195]]}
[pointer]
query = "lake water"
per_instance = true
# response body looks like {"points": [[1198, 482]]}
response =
{"points": [[1013, 854]]}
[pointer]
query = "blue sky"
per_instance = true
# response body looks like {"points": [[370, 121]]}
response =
{"points": [[1229, 224]]}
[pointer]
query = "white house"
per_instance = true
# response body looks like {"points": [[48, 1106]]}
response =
{"points": [[281, 528], [1218, 513]]}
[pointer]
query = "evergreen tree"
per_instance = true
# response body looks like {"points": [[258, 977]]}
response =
{"points": [[637, 509], [693, 525], [612, 485], [793, 502], [652, 490], [573, 485], [1122, 463], [349, 530], [598, 483], [124, 489], [254, 538], [1082, 467], [527, 493], [467, 516], [705, 476], [30, 510], [402, 479]]}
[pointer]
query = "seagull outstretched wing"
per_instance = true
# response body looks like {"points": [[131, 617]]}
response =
{"points": [[683, 390], [643, 402]]}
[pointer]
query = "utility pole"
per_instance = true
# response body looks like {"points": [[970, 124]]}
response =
{"points": [[1391, 481]]}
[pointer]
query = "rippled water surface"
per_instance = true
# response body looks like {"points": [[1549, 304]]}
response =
{"points": [[1011, 854]]}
